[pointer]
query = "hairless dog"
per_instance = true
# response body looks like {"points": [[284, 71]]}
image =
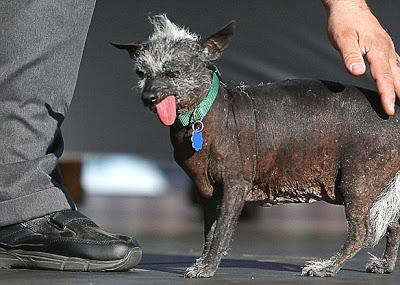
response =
{"points": [[295, 141]]}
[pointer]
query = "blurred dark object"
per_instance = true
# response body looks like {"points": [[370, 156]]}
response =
{"points": [[250, 210], [71, 173]]}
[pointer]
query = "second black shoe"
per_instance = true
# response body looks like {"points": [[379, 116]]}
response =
{"points": [[66, 240]]}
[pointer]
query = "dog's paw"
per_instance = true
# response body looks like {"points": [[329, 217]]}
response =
{"points": [[321, 268], [199, 271], [378, 265]]}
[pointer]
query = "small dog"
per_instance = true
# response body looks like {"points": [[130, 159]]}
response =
{"points": [[296, 141]]}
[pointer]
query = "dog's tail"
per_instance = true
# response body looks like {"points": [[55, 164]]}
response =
{"points": [[385, 210]]}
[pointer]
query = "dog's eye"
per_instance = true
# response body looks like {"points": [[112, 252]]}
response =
{"points": [[139, 73], [172, 73]]}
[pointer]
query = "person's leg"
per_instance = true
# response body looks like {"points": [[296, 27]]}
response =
{"points": [[41, 44]]}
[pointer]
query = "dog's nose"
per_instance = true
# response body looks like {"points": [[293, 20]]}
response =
{"points": [[149, 97]]}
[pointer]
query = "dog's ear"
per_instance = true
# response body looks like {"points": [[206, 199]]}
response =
{"points": [[132, 48], [215, 44]]}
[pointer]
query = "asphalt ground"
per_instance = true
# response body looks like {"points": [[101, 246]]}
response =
{"points": [[270, 248]]}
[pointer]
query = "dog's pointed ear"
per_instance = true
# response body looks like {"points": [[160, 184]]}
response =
{"points": [[132, 48], [215, 44]]}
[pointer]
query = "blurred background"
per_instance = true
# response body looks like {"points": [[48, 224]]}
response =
{"points": [[118, 159]]}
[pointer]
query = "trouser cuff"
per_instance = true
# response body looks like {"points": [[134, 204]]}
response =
{"points": [[33, 206]]}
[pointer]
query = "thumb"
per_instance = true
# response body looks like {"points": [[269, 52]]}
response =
{"points": [[351, 54]]}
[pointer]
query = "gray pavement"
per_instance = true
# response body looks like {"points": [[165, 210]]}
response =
{"points": [[270, 249]]}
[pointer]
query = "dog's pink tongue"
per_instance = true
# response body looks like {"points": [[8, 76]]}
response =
{"points": [[166, 110]]}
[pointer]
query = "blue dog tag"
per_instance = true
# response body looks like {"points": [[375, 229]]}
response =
{"points": [[197, 139]]}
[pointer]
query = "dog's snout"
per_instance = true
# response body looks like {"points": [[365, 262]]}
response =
{"points": [[150, 92], [149, 97]]}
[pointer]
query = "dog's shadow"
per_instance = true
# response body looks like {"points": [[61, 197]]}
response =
{"points": [[177, 264]]}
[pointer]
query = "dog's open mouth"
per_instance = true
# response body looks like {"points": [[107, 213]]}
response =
{"points": [[166, 110]]}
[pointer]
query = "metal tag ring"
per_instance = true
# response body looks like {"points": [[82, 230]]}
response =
{"points": [[194, 126]]}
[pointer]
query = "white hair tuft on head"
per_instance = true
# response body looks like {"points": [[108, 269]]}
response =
{"points": [[164, 28]]}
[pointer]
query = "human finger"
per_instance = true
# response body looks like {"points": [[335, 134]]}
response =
{"points": [[381, 72]]}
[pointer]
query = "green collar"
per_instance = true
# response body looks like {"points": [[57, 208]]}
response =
{"points": [[204, 107]]}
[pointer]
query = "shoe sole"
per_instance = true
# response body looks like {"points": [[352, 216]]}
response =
{"points": [[40, 260]]}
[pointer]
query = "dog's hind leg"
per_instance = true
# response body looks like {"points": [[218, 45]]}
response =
{"points": [[388, 262], [385, 215], [357, 233], [357, 214], [221, 230]]}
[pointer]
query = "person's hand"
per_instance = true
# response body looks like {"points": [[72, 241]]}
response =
{"points": [[356, 33]]}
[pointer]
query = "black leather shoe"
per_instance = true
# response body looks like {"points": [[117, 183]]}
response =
{"points": [[66, 240]]}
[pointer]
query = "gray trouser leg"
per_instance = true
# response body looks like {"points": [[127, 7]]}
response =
{"points": [[41, 44]]}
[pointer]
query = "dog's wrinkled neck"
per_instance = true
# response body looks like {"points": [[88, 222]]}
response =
{"points": [[196, 96], [204, 103]]}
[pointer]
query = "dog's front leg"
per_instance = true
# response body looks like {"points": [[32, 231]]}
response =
{"points": [[211, 208], [220, 230]]}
